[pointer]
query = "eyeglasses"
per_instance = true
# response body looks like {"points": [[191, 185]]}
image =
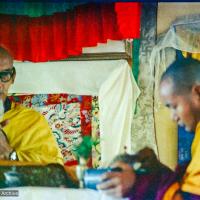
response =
{"points": [[7, 74]]}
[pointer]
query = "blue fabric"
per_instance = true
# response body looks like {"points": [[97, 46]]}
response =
{"points": [[189, 196], [185, 139], [48, 7]]}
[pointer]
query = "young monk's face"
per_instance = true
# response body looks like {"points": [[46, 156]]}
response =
{"points": [[185, 108]]}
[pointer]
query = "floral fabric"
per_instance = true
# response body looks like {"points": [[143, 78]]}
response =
{"points": [[69, 116]]}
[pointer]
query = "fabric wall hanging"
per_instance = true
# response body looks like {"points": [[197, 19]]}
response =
{"points": [[143, 131], [69, 116]]}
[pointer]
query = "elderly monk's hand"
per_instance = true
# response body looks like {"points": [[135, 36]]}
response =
{"points": [[5, 148], [118, 184]]}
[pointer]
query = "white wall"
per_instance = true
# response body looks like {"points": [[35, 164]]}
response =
{"points": [[167, 13]]}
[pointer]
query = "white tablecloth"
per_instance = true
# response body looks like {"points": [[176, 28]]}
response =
{"points": [[49, 193]]}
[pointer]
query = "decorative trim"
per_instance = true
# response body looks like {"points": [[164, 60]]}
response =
{"points": [[99, 56]]}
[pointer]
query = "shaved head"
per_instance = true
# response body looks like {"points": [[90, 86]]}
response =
{"points": [[7, 76], [180, 92], [182, 74], [5, 58]]}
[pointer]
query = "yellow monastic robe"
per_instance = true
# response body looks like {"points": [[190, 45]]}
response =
{"points": [[29, 134], [193, 55], [191, 179]]}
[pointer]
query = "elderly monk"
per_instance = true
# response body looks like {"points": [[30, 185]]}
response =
{"points": [[25, 134]]}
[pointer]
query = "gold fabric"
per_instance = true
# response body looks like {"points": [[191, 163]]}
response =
{"points": [[171, 191], [30, 135], [167, 138], [191, 180], [193, 55]]}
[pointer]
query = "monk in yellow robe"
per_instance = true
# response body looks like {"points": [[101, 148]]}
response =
{"points": [[180, 92], [26, 135], [191, 179]]}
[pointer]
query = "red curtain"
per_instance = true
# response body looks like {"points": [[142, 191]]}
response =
{"points": [[63, 34], [128, 19]]}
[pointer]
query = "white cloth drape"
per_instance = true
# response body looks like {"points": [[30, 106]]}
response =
{"points": [[111, 80]]}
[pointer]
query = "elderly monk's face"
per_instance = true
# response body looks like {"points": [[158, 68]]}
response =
{"points": [[185, 108], [7, 76]]}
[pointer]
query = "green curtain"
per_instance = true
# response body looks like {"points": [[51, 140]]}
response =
{"points": [[36, 9], [45, 7], [135, 56], [135, 63]]}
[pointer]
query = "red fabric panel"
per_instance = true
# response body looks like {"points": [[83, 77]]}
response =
{"points": [[86, 120], [128, 19], [85, 109], [67, 135], [63, 34]]}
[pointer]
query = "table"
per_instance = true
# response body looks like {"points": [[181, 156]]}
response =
{"points": [[50, 193]]}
